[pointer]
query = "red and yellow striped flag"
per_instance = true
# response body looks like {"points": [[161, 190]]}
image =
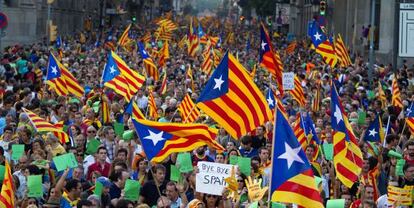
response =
{"points": [[189, 111], [342, 52], [189, 75], [165, 54], [152, 106], [163, 89], [291, 47], [133, 109], [105, 109], [300, 132], [41, 125], [7, 188], [297, 92], [396, 97], [381, 95], [316, 99], [326, 50], [193, 40], [124, 40], [72, 83], [133, 78]]}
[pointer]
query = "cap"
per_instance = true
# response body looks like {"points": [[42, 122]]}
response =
{"points": [[104, 181]]}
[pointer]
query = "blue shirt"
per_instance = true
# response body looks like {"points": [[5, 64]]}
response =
{"points": [[248, 153]]}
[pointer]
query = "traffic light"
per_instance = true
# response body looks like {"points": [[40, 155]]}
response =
{"points": [[134, 18], [52, 32], [322, 7]]}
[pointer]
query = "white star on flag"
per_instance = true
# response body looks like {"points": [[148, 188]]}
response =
{"points": [[317, 36], [338, 115], [263, 45], [372, 132], [54, 70], [219, 82], [112, 70], [270, 101], [155, 138], [291, 155]]}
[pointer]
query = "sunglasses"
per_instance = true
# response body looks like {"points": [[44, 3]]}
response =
{"points": [[91, 131], [240, 180], [211, 196]]}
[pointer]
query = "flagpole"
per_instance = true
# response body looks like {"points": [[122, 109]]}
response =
{"points": [[402, 132], [386, 131], [269, 196], [175, 112]]}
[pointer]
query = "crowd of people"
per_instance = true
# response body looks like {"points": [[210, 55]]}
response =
{"points": [[23, 69]]}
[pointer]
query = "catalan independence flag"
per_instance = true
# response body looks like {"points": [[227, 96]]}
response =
{"points": [[342, 52], [396, 97], [347, 155], [410, 118], [133, 110], [62, 136], [375, 131], [322, 44], [159, 140], [41, 125], [270, 59], [164, 54], [72, 83], [189, 111], [232, 99], [297, 92], [7, 188], [151, 69], [293, 182], [54, 76], [381, 95], [133, 78], [113, 79]]}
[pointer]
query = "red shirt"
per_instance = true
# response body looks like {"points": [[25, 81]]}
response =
{"points": [[98, 167]]}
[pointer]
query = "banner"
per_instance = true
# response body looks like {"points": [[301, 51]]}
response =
{"points": [[210, 178], [288, 81]]}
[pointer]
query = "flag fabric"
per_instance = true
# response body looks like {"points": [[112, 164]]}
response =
{"points": [[299, 132], [41, 125], [124, 40], [189, 75], [105, 109], [381, 95], [7, 188], [347, 155], [193, 40], [133, 110], [163, 89], [409, 118], [310, 130], [297, 92], [322, 44], [152, 106], [316, 100], [270, 59], [149, 64], [293, 182], [396, 97], [342, 52], [290, 49], [72, 83], [109, 42], [62, 136], [189, 111], [133, 78], [113, 79], [54, 76], [374, 132], [232, 99], [159, 140], [164, 55], [270, 98]]}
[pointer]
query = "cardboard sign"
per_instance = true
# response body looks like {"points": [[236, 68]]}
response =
{"points": [[288, 81], [400, 196], [211, 177]]}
